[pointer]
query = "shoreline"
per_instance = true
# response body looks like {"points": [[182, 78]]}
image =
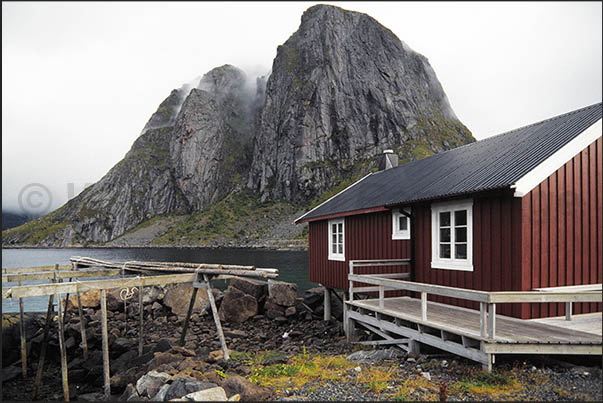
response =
{"points": [[290, 249]]}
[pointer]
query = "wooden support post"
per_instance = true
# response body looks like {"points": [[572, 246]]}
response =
{"points": [[351, 327], [214, 310], [188, 316], [23, 338], [351, 290], [141, 312], [414, 347], [327, 304], [568, 311], [424, 306], [63, 350], [105, 343], [491, 321], [40, 369], [381, 296], [80, 312], [483, 322]]}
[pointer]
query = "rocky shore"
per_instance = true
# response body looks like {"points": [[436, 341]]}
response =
{"points": [[280, 349]]}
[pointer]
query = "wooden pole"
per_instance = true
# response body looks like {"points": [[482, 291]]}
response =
{"points": [[327, 304], [82, 321], [63, 350], [141, 312], [44, 347], [188, 316], [23, 338], [214, 310], [105, 343]]}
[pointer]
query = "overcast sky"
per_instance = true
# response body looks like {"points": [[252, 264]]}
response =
{"points": [[80, 80]]}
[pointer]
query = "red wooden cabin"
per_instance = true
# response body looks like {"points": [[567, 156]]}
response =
{"points": [[514, 212]]}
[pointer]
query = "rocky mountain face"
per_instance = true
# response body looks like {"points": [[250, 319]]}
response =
{"points": [[341, 89]]}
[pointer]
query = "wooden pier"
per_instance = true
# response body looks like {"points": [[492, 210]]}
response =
{"points": [[476, 335], [86, 274]]}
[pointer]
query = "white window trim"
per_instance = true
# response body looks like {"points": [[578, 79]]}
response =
{"points": [[451, 264], [396, 234], [336, 256]]}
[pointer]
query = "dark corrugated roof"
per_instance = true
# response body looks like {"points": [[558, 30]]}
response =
{"points": [[493, 163]]}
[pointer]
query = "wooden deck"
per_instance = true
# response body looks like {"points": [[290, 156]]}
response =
{"points": [[458, 330]]}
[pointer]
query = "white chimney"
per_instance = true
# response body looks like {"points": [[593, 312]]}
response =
{"points": [[388, 160]]}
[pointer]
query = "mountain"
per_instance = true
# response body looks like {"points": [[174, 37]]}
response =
{"points": [[11, 220], [234, 158]]}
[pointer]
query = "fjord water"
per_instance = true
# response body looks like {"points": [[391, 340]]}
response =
{"points": [[292, 265]]}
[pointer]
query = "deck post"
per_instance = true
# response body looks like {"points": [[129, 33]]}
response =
{"points": [[191, 305], [414, 347], [105, 345], [63, 350], [214, 310], [351, 291], [40, 369], [568, 311], [491, 321], [327, 304], [424, 306], [23, 338], [141, 313], [483, 323], [381, 296]]}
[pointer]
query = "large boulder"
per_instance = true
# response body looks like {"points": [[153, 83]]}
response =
{"points": [[237, 306], [178, 298], [248, 391], [282, 293], [183, 386], [11, 336], [215, 394], [89, 299], [149, 384], [256, 288]]}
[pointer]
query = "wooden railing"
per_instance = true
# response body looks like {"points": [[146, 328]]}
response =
{"points": [[376, 263], [487, 299]]}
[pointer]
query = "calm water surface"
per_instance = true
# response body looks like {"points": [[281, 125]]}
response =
{"points": [[292, 265]]}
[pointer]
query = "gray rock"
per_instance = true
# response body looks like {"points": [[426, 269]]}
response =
{"points": [[152, 294], [247, 390], [178, 297], [129, 393], [374, 356], [149, 384], [237, 306], [282, 293], [183, 386], [256, 288], [215, 394], [91, 397]]}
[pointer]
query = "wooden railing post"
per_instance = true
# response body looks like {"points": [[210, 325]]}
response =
{"points": [[483, 323], [568, 311], [424, 306], [491, 321], [381, 296], [351, 264]]}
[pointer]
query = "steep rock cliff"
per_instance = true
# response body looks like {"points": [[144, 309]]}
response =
{"points": [[342, 89]]}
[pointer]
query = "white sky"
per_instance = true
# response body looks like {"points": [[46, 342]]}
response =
{"points": [[80, 80]]}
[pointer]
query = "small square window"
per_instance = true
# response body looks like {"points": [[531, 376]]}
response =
{"points": [[336, 240], [401, 224], [451, 235]]}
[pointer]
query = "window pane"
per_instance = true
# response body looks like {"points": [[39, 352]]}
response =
{"points": [[460, 251], [334, 238], [340, 248], [333, 228], [403, 223], [340, 229], [444, 234], [460, 234], [460, 217], [445, 250], [445, 219], [334, 248], [340, 240]]}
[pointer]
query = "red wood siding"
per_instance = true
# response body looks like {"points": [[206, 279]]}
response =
{"points": [[367, 236], [562, 231], [496, 251]]}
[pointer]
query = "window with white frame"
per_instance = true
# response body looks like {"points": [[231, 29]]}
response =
{"points": [[336, 239], [401, 224], [452, 235]]}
